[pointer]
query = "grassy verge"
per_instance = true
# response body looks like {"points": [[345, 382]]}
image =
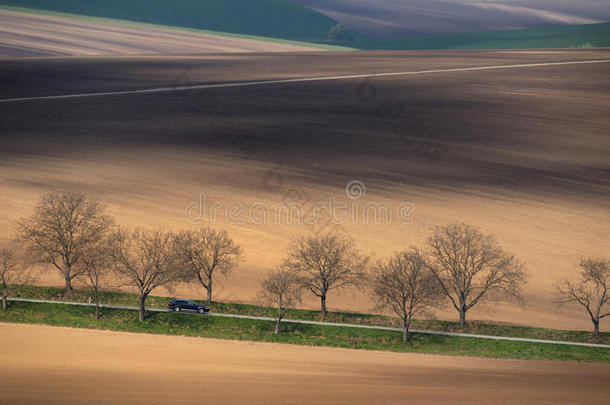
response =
{"points": [[310, 335], [328, 47], [119, 298]]}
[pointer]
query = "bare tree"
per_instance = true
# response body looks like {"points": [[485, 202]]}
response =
{"points": [[404, 285], [282, 290], [64, 226], [96, 269], [325, 263], [9, 271], [471, 267], [145, 260], [591, 290], [206, 252]]}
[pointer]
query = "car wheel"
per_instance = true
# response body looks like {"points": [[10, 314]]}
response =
{"points": [[177, 309], [201, 311]]}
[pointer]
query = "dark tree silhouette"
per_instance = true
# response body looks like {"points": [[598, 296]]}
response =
{"points": [[63, 228], [471, 267], [325, 263], [97, 267], [145, 260], [340, 32], [591, 290], [206, 252], [280, 289], [10, 270], [403, 284]]}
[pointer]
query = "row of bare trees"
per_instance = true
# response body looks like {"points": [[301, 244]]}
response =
{"points": [[73, 234], [468, 268], [460, 264]]}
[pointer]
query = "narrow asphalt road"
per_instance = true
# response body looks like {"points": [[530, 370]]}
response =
{"points": [[344, 325]]}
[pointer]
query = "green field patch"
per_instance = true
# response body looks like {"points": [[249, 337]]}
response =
{"points": [[564, 36]]}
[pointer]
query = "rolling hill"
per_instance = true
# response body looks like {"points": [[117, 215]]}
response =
{"points": [[27, 33], [391, 19], [278, 22], [564, 36], [268, 18]]}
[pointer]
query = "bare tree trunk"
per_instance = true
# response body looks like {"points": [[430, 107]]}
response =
{"points": [[279, 317], [68, 275], [97, 306], [323, 304], [209, 299], [142, 311], [405, 332], [462, 317], [596, 327], [4, 294], [97, 302]]}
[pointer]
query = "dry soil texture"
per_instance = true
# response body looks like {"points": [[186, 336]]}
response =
{"points": [[42, 364], [26, 34], [521, 152]]}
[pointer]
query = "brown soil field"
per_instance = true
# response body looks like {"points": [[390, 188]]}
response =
{"points": [[25, 34], [522, 153], [42, 364]]}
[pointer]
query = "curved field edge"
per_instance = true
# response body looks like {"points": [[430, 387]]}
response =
{"points": [[570, 36], [159, 302], [267, 18], [165, 323], [177, 28]]}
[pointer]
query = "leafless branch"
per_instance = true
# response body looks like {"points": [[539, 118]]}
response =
{"points": [[325, 263], [64, 227], [471, 267], [282, 290], [145, 260], [591, 290], [403, 284], [205, 252]]}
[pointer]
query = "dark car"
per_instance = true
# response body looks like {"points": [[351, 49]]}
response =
{"points": [[187, 305]]}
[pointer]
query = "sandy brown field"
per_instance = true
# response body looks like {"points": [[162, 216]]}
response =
{"points": [[522, 153], [25, 34], [42, 364]]}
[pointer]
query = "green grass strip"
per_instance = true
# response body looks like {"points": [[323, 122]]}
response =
{"points": [[299, 334], [128, 299]]}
